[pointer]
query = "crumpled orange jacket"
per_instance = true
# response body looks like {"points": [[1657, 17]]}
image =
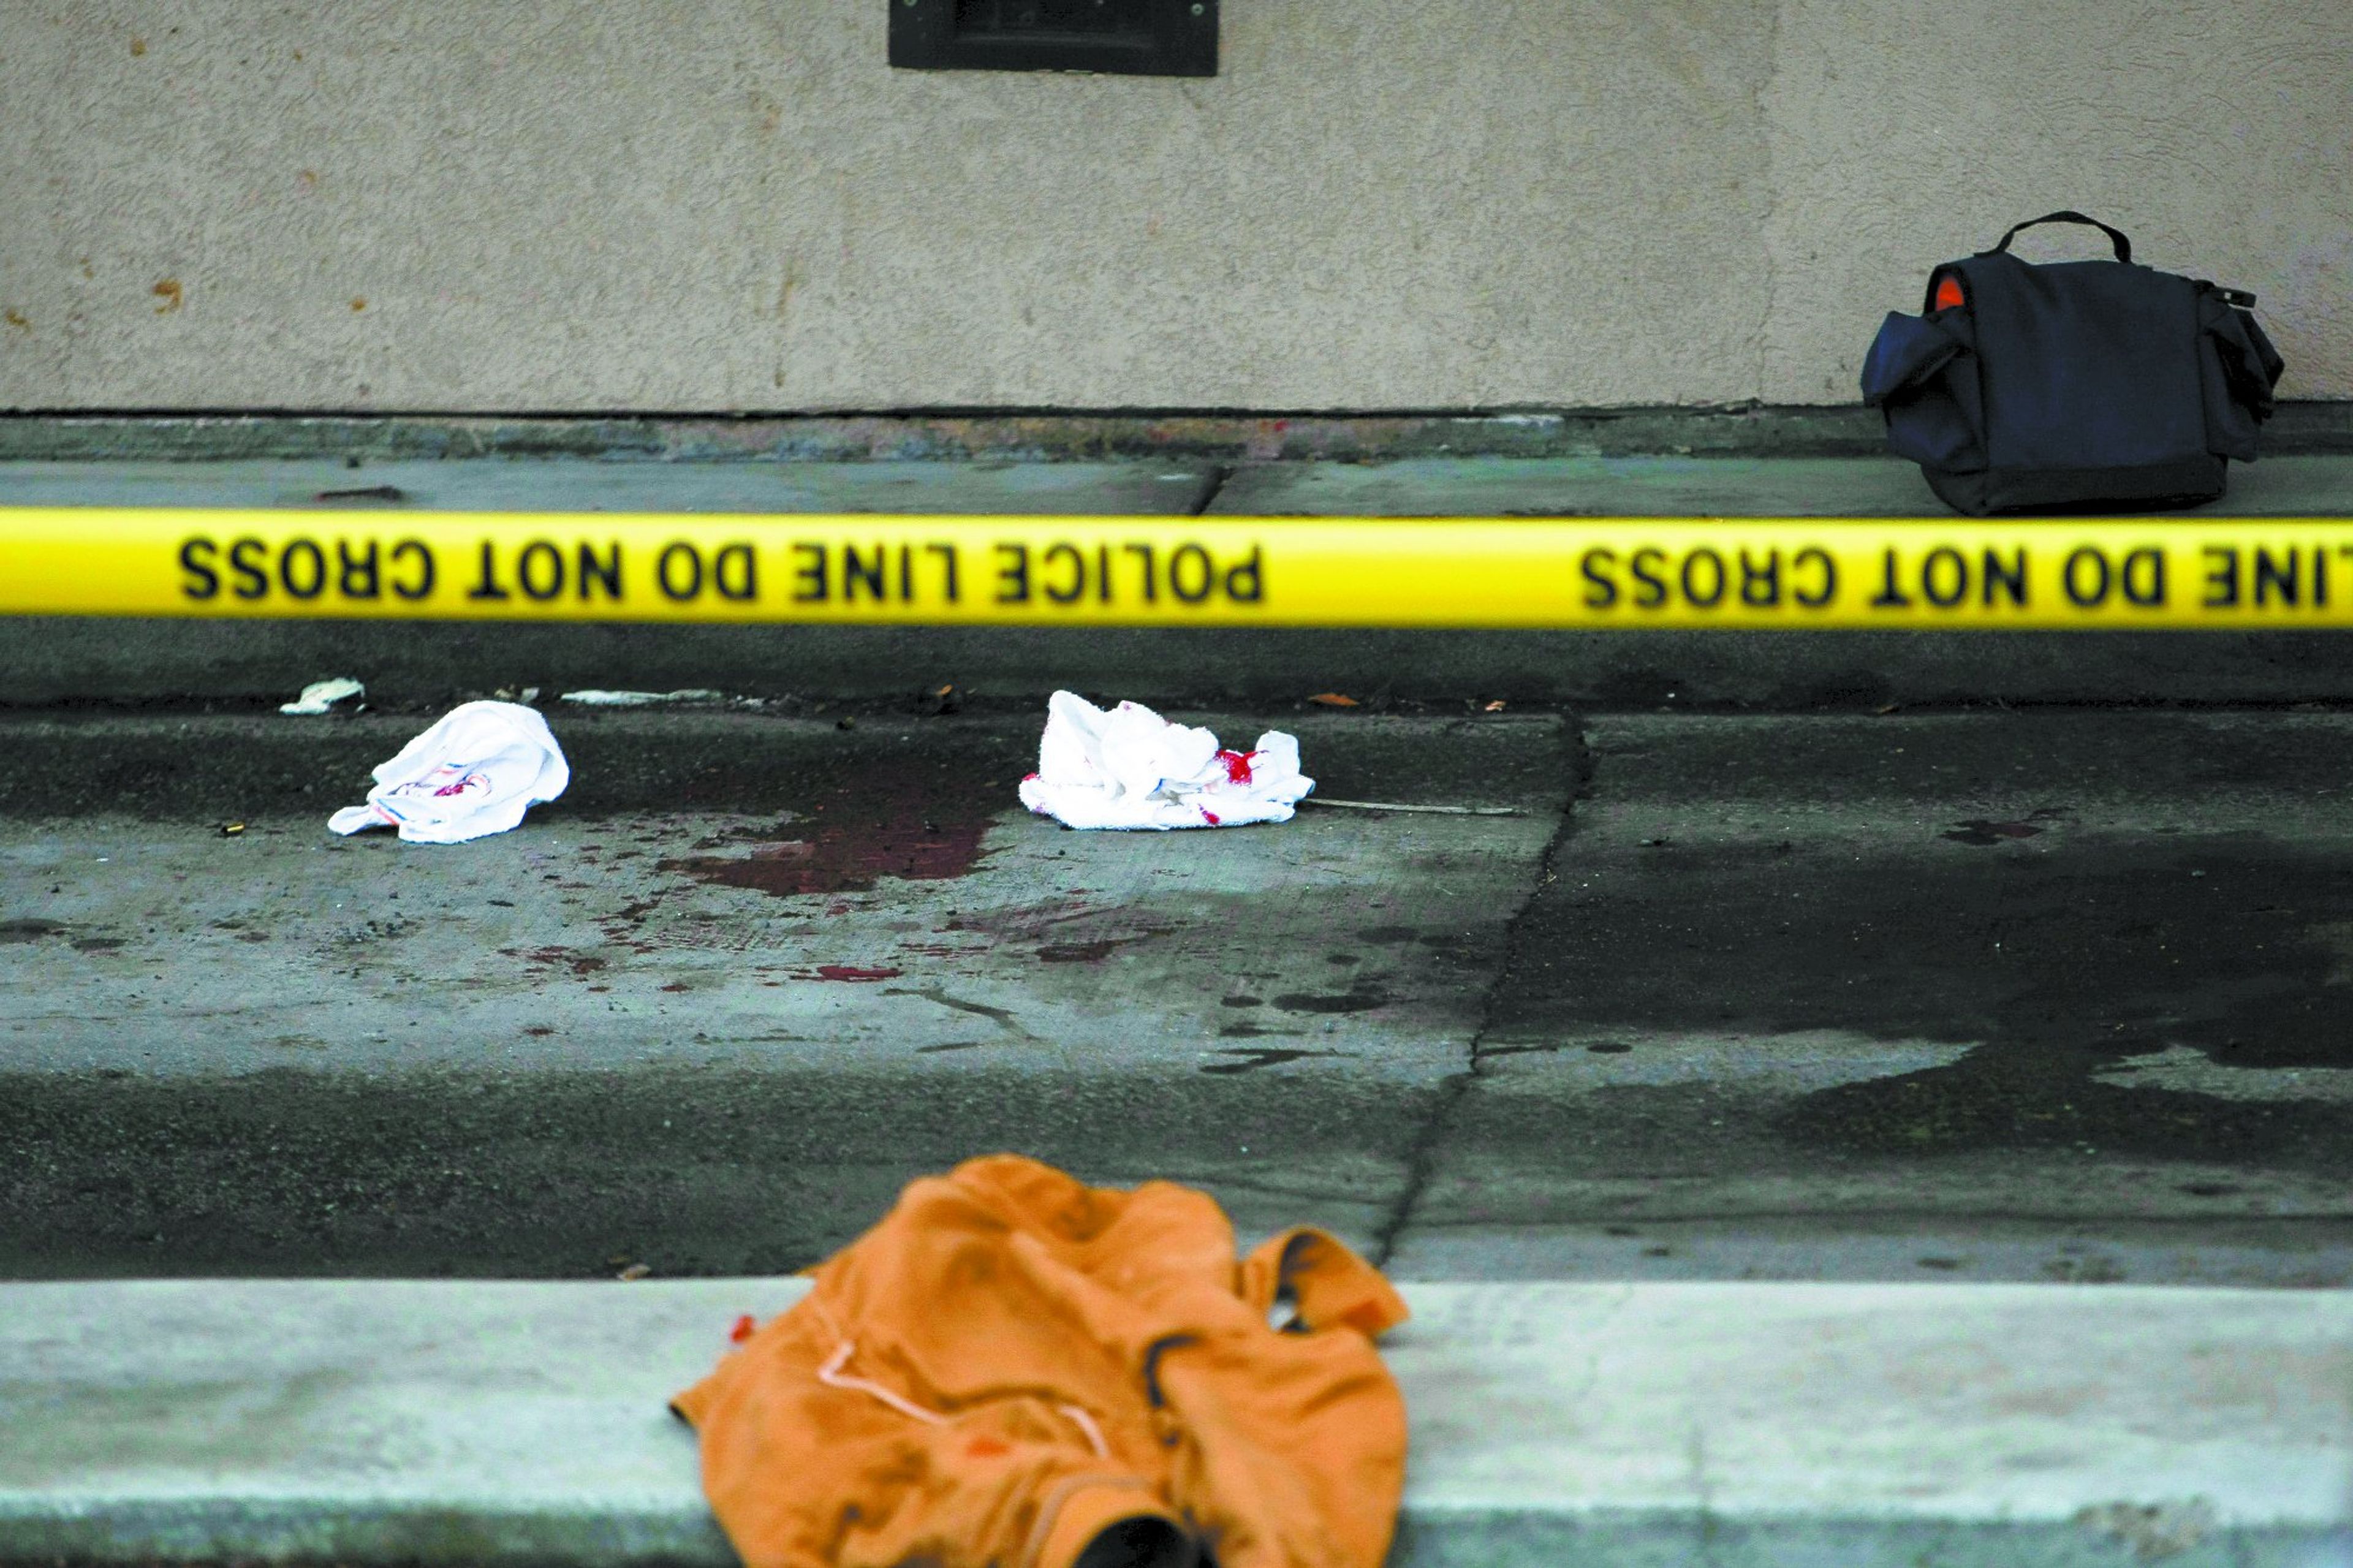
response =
{"points": [[1015, 1370]]}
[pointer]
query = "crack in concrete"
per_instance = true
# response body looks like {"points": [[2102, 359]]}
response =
{"points": [[1596, 1336], [1002, 1017], [1421, 1156], [1769, 305], [1209, 491], [1707, 1523]]}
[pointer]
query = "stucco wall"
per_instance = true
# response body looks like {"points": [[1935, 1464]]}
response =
{"points": [[655, 204]]}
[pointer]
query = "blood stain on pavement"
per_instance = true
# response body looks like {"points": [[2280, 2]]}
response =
{"points": [[578, 963], [908, 825]]}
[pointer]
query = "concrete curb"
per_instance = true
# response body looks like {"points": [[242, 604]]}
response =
{"points": [[447, 1422]]}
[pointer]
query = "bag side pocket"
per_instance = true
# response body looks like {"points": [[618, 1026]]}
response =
{"points": [[1921, 373], [2237, 369]]}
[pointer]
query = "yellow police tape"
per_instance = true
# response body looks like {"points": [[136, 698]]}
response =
{"points": [[1595, 573]]}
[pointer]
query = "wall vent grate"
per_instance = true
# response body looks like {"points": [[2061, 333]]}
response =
{"points": [[1123, 38]]}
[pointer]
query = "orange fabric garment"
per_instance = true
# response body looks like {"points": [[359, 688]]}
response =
{"points": [[1012, 1368]]}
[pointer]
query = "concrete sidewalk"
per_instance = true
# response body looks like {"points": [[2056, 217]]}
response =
{"points": [[1617, 1426], [713, 1008], [2022, 996]]}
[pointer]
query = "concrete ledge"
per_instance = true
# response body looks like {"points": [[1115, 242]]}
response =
{"points": [[433, 1423], [1746, 430]]}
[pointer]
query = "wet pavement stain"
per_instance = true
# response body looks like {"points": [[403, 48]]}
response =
{"points": [[2124, 961], [2051, 966], [1257, 1056], [1360, 999], [1981, 830], [1082, 952]]}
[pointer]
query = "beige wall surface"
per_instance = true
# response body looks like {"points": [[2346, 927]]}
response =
{"points": [[657, 205]]}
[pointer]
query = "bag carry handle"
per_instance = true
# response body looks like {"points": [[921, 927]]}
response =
{"points": [[2124, 245]]}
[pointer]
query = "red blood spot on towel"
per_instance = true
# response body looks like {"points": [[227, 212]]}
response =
{"points": [[1238, 765], [744, 1329]]}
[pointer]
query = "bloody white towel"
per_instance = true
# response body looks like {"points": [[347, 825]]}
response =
{"points": [[1127, 767], [473, 773]]}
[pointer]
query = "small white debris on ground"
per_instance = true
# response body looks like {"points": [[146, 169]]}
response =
{"points": [[321, 696], [595, 697]]}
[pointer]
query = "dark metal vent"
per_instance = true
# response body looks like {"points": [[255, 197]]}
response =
{"points": [[1128, 38]]}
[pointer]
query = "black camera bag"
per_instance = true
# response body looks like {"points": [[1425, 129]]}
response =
{"points": [[2077, 385]]}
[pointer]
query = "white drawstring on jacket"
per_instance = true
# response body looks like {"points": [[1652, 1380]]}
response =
{"points": [[832, 1376]]}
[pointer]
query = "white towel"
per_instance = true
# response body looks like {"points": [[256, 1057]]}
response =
{"points": [[472, 775], [1130, 768]]}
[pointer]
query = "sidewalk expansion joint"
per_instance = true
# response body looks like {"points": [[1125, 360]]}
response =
{"points": [[1421, 1156], [1210, 490]]}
